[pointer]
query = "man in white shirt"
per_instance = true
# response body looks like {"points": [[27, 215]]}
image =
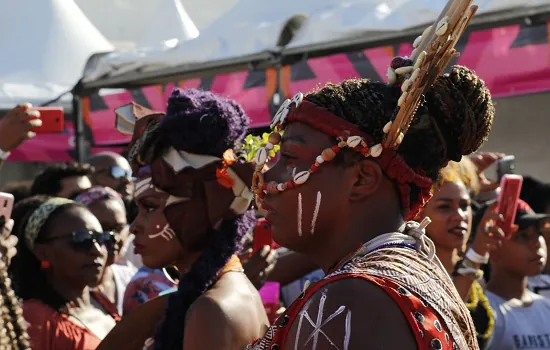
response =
{"points": [[522, 318]]}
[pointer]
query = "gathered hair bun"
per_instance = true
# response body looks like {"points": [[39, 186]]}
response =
{"points": [[202, 122], [462, 108]]}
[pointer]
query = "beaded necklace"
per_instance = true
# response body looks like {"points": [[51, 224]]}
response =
{"points": [[476, 297]]}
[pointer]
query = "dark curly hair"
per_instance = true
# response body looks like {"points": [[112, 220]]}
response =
{"points": [[455, 118], [29, 279], [11, 315], [48, 182], [201, 122]]}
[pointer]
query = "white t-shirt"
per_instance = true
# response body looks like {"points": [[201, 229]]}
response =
{"points": [[122, 274], [518, 327], [540, 285]]}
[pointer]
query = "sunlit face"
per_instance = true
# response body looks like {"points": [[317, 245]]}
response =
{"points": [[116, 174], [451, 214], [154, 240], [524, 254], [303, 215], [67, 263]]}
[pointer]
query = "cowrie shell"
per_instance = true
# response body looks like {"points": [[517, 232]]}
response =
{"points": [[392, 77], [400, 138], [261, 156], [402, 99], [387, 127], [376, 150], [281, 113], [404, 70], [297, 99], [417, 41], [415, 74], [405, 85], [426, 31], [419, 60], [353, 141], [301, 177], [442, 26]]}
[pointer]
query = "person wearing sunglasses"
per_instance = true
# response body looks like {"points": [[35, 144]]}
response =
{"points": [[61, 252], [112, 170], [108, 207]]}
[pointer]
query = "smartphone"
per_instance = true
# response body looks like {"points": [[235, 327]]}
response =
{"points": [[506, 165], [510, 189], [6, 206], [262, 235], [53, 120]]}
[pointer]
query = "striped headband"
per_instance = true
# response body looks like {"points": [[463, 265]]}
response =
{"points": [[39, 217]]}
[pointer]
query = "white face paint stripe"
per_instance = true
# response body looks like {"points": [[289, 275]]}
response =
{"points": [[347, 336], [142, 186], [316, 212], [299, 214], [167, 233]]}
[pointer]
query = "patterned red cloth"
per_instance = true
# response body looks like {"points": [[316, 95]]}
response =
{"points": [[430, 332]]}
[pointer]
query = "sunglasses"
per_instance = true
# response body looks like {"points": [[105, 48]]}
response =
{"points": [[117, 172], [83, 240]]}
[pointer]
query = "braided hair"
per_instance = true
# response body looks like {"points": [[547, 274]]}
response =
{"points": [[201, 122], [455, 118], [13, 334]]}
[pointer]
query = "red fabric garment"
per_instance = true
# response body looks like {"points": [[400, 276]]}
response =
{"points": [[51, 330], [429, 330]]}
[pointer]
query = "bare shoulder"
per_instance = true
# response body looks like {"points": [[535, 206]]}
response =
{"points": [[227, 317], [351, 313]]}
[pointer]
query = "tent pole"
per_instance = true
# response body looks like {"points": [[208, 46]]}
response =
{"points": [[81, 149]]}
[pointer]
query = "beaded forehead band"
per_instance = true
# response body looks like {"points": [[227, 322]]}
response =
{"points": [[348, 136], [432, 52]]}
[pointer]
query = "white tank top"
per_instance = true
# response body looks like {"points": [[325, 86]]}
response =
{"points": [[518, 327]]}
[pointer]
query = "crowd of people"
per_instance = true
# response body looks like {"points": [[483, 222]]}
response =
{"points": [[373, 241]]}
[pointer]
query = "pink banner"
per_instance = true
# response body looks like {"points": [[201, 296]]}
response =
{"points": [[512, 60]]}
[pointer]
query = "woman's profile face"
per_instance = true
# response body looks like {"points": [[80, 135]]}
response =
{"points": [[314, 209], [155, 240], [451, 214], [69, 264]]}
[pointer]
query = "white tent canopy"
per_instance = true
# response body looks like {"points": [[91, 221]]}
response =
{"points": [[128, 24], [252, 27], [44, 51]]}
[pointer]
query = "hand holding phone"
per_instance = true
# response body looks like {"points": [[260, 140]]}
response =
{"points": [[510, 189], [53, 120]]}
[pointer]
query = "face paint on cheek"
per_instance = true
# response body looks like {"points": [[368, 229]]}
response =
{"points": [[142, 186], [316, 212], [167, 233], [299, 214]]}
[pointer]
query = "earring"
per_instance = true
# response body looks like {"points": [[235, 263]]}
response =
{"points": [[44, 264]]}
